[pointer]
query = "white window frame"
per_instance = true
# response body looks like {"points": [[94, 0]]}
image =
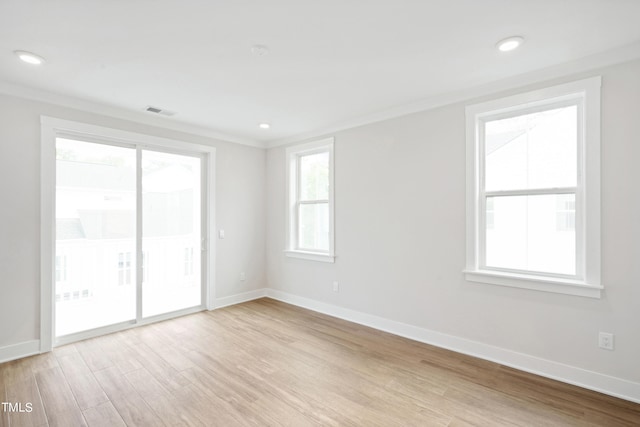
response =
{"points": [[294, 154], [586, 282]]}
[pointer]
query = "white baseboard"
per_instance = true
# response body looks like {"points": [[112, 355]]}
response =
{"points": [[29, 348], [20, 350], [238, 298], [606, 384]]}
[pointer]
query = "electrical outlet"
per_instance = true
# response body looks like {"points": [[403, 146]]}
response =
{"points": [[336, 287], [605, 340], [243, 276]]}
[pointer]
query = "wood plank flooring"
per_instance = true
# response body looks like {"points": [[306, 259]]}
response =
{"points": [[266, 363]]}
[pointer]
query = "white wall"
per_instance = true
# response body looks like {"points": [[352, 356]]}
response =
{"points": [[240, 199], [400, 238]]}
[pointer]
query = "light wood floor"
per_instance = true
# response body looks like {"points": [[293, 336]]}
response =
{"points": [[269, 363]]}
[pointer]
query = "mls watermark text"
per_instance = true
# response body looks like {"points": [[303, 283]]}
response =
{"points": [[17, 407]]}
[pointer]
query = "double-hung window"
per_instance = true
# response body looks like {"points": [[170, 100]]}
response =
{"points": [[533, 190], [310, 201]]}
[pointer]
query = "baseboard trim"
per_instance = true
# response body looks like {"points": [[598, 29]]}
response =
{"points": [[239, 298], [20, 350], [595, 381], [606, 384], [29, 348]]}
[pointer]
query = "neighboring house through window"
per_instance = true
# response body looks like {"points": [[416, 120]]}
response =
{"points": [[61, 268], [124, 268], [188, 261], [144, 266]]}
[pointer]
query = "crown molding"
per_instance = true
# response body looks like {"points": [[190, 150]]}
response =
{"points": [[615, 56], [167, 123], [619, 55]]}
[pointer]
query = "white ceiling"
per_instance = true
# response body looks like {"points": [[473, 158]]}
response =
{"points": [[329, 61]]}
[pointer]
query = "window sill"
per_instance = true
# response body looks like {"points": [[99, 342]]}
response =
{"points": [[538, 283], [310, 256]]}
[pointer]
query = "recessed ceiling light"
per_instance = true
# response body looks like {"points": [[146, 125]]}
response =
{"points": [[259, 50], [509, 44], [264, 125], [28, 57]]}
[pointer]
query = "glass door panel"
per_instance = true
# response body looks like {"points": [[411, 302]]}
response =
{"points": [[95, 262], [171, 232]]}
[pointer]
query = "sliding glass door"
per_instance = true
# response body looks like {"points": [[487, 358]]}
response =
{"points": [[171, 232], [95, 235], [128, 233]]}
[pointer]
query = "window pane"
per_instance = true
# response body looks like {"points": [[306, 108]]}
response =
{"points": [[537, 150], [95, 235], [171, 215], [314, 226], [535, 233], [314, 176]]}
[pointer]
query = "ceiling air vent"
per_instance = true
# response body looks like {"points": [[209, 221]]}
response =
{"points": [[157, 110]]}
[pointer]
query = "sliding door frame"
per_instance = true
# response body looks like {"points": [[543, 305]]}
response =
{"points": [[53, 128]]}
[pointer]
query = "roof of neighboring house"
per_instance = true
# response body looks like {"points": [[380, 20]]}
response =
{"points": [[69, 228]]}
